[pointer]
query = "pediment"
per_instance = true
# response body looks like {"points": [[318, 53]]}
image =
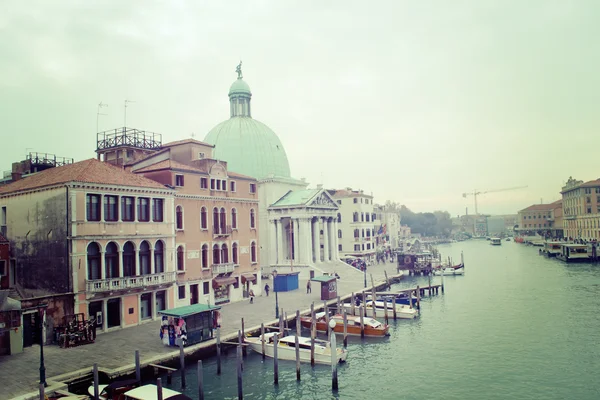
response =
{"points": [[322, 200]]}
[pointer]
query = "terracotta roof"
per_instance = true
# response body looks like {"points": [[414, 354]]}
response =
{"points": [[147, 156], [3, 239], [591, 183], [87, 171], [543, 207], [184, 141]]}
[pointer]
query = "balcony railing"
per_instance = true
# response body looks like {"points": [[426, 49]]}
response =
{"points": [[222, 230], [223, 268], [130, 282]]}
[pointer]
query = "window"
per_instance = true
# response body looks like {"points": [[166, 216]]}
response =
{"points": [[111, 260], [588, 199], [361, 200], [362, 217], [159, 257], [357, 247], [367, 217], [180, 258], [339, 218], [356, 233], [223, 221], [363, 233], [234, 218], [253, 188], [224, 185], [339, 233], [200, 155], [355, 217], [232, 186], [218, 184], [181, 291], [179, 218], [215, 220], [3, 221], [129, 259], [205, 288], [224, 254], [93, 207], [339, 247], [93, 261], [203, 183], [178, 180], [111, 208], [234, 253], [368, 246], [2, 267], [203, 218], [355, 200], [143, 209], [253, 252], [212, 184], [252, 219], [145, 258], [339, 202], [157, 210], [127, 209], [589, 210], [216, 254], [204, 256], [373, 217]]}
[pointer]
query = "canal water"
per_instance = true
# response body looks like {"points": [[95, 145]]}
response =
{"points": [[516, 326]]}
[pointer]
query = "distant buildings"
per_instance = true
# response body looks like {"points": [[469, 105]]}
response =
{"points": [[356, 234], [581, 209], [542, 219]]}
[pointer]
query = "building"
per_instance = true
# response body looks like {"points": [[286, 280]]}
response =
{"points": [[90, 238], [216, 222], [356, 233], [11, 339], [389, 223], [541, 219], [34, 162], [6, 277], [289, 213], [581, 209]]}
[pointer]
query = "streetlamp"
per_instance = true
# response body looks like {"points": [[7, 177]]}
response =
{"points": [[365, 274], [276, 298], [42, 367]]}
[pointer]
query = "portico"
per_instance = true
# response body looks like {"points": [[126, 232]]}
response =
{"points": [[303, 229]]}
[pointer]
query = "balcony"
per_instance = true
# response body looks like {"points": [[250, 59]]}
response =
{"points": [[130, 282], [221, 231], [223, 268]]}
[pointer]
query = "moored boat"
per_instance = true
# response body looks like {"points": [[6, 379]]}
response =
{"points": [[402, 311], [286, 348], [456, 270], [114, 390], [573, 253], [373, 328], [150, 392], [496, 241]]}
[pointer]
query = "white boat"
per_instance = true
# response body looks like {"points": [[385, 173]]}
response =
{"points": [[450, 271], [402, 311], [496, 241], [286, 348], [149, 392]]}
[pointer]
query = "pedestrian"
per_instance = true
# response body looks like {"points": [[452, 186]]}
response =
{"points": [[251, 296], [308, 288], [267, 289]]}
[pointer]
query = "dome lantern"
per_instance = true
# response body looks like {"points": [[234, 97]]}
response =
{"points": [[239, 96]]}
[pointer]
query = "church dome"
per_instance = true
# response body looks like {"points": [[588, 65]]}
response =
{"points": [[249, 146]]}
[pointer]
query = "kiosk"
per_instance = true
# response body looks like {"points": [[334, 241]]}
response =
{"points": [[328, 286], [285, 281], [193, 324]]}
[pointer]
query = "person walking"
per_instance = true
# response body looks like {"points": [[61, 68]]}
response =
{"points": [[251, 296], [308, 288], [267, 289]]}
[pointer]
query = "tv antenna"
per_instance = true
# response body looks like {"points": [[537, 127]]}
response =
{"points": [[98, 113], [125, 113]]}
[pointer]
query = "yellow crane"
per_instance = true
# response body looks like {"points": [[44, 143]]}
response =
{"points": [[476, 193]]}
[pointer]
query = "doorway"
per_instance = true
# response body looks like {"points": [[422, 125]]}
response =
{"points": [[146, 306], [95, 311], [113, 311], [160, 301], [194, 294], [31, 329]]}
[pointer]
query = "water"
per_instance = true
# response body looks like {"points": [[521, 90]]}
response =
{"points": [[517, 326]]}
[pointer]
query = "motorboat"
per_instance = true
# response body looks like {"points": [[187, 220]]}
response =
{"points": [[402, 311], [114, 390], [573, 253], [456, 270], [150, 392], [496, 241], [400, 298], [552, 249], [286, 348], [373, 328]]}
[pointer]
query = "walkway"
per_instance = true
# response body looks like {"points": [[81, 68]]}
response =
{"points": [[19, 374]]}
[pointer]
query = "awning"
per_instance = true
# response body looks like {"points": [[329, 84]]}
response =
{"points": [[184, 311], [248, 277], [223, 281]]}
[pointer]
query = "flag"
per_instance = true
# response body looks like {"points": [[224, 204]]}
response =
{"points": [[384, 229], [380, 231]]}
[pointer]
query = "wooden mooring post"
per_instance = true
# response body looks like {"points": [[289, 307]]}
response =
{"points": [[262, 339], [385, 311], [387, 280], [159, 392], [200, 381], [96, 391], [218, 350], [275, 361], [298, 333], [394, 308], [244, 350], [313, 333], [281, 323], [326, 310], [240, 345], [182, 363], [418, 300], [286, 325], [362, 322], [239, 373], [138, 369], [334, 362], [337, 310], [345, 329], [352, 300]]}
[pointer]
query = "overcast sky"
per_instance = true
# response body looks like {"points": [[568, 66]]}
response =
{"points": [[414, 101]]}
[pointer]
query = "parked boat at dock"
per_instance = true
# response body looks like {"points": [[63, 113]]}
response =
{"points": [[373, 328], [286, 348], [551, 249], [495, 241], [573, 253], [402, 311], [150, 392], [456, 270], [114, 390], [400, 298]]}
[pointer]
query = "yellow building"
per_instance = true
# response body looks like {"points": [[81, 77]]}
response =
{"points": [[581, 209]]}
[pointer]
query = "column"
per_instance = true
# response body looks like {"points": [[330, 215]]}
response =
{"points": [[139, 308], [153, 305], [272, 242], [296, 240], [136, 261], [104, 315], [307, 239], [316, 240], [336, 240], [102, 265], [332, 238], [120, 263], [280, 249], [152, 266], [326, 240]]}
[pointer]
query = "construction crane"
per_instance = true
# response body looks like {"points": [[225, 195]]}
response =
{"points": [[475, 193]]}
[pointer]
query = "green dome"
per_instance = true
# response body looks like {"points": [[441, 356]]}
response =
{"points": [[249, 146], [239, 87]]}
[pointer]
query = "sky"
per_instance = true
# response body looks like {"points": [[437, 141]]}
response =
{"points": [[416, 102]]}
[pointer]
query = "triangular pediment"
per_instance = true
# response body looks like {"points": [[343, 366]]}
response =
{"points": [[323, 200]]}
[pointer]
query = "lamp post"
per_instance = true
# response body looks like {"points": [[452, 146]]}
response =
{"points": [[365, 274], [42, 367], [276, 299]]}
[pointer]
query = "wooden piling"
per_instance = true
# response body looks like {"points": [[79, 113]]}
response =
{"points": [[326, 310], [362, 323], [240, 345], [418, 300], [239, 373], [275, 361], [96, 391], [337, 311], [385, 311], [345, 329], [387, 280], [200, 381], [159, 392], [262, 339], [373, 302], [334, 363], [218, 350], [285, 322], [182, 363], [410, 299], [244, 350], [281, 323], [394, 308], [353, 300], [298, 333], [169, 377], [313, 333], [138, 369]]}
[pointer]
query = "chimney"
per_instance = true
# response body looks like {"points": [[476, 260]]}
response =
{"points": [[15, 176]]}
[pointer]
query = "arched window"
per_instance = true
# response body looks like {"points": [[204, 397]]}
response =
{"points": [[339, 217], [253, 252], [234, 253], [339, 233], [204, 256], [93, 261], [180, 258], [215, 220], [252, 219], [203, 219], [223, 221], [159, 257], [128, 259], [216, 254], [234, 218], [224, 254], [111, 260], [145, 258], [179, 217]]}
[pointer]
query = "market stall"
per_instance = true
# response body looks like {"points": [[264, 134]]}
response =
{"points": [[193, 324]]}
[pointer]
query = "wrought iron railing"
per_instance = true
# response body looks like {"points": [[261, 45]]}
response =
{"points": [[129, 137]]}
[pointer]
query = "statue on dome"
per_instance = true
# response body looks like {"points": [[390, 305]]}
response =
{"points": [[238, 69]]}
